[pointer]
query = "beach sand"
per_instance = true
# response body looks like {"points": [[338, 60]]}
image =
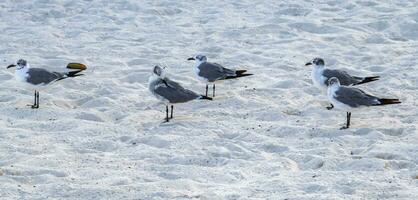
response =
{"points": [[268, 136]]}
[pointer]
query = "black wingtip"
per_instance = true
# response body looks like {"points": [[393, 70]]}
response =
{"points": [[74, 73], [203, 97], [368, 79], [238, 76], [388, 101], [238, 72]]}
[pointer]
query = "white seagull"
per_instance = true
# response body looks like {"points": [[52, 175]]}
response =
{"points": [[38, 78], [170, 92], [321, 75], [211, 72], [350, 98]]}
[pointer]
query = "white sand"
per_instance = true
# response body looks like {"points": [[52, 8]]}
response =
{"points": [[267, 136]]}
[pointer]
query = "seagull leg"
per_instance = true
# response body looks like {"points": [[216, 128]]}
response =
{"points": [[166, 111], [36, 101], [330, 107], [206, 90], [348, 121], [172, 108], [213, 90]]}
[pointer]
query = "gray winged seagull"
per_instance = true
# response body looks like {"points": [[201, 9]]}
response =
{"points": [[38, 78], [321, 75], [211, 72], [350, 98], [170, 92]]}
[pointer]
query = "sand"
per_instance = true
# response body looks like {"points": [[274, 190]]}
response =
{"points": [[267, 136]]}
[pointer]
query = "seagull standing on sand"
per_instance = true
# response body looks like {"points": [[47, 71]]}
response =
{"points": [[320, 76], [349, 98], [170, 92], [38, 78], [212, 72]]}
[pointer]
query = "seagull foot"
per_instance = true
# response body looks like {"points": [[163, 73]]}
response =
{"points": [[330, 107], [344, 127], [33, 106]]}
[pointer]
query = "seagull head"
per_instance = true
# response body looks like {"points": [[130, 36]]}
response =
{"points": [[158, 71], [316, 62], [334, 81], [20, 64], [199, 58]]}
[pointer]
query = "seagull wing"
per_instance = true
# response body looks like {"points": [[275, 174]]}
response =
{"points": [[343, 77], [355, 97], [42, 76], [174, 92], [214, 71]]}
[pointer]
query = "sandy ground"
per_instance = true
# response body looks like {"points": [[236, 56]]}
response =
{"points": [[267, 136]]}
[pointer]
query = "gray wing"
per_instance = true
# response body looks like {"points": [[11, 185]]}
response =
{"points": [[355, 97], [41, 76], [174, 92], [343, 77], [214, 71]]}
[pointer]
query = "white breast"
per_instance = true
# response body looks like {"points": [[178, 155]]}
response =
{"points": [[21, 74], [318, 79], [338, 105]]}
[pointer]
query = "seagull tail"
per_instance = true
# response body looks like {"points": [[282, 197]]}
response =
{"points": [[368, 79], [73, 73], [238, 74], [388, 101], [203, 97]]}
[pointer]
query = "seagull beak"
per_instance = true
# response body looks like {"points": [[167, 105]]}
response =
{"points": [[190, 59], [307, 64], [10, 66], [76, 66]]}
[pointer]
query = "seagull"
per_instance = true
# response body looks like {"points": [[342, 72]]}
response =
{"points": [[321, 75], [350, 98], [170, 92], [38, 78], [211, 72]]}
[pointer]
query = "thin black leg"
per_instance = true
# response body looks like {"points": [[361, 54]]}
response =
{"points": [[166, 111], [172, 108], [330, 107], [37, 96], [348, 119], [347, 125], [213, 90], [206, 90], [36, 101]]}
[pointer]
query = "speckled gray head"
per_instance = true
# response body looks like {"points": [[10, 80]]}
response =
{"points": [[158, 71], [334, 81], [21, 62], [199, 57], [316, 61]]}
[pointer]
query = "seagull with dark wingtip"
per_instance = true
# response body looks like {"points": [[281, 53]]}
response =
{"points": [[350, 98], [321, 75], [38, 78], [211, 72], [170, 92]]}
